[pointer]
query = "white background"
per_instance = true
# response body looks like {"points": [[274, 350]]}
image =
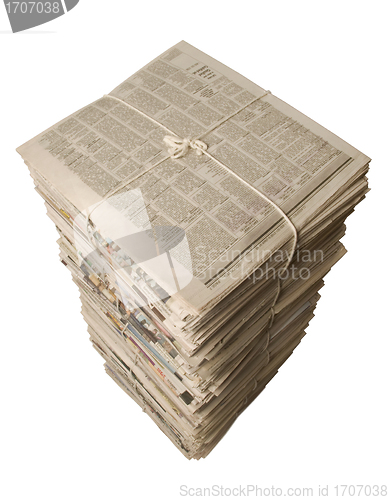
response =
{"points": [[67, 431]]}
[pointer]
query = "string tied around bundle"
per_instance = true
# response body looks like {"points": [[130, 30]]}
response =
{"points": [[179, 147]]}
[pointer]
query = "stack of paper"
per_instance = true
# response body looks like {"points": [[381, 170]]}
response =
{"points": [[198, 215]]}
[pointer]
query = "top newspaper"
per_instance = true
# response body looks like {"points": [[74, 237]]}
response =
{"points": [[186, 230]]}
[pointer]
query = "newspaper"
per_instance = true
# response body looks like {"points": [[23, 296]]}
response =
{"points": [[179, 257]]}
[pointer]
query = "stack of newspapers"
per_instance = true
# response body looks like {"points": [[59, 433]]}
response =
{"points": [[198, 215]]}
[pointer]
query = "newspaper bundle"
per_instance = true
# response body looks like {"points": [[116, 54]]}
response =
{"points": [[198, 215]]}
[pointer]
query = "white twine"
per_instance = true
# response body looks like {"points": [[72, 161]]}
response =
{"points": [[177, 148]]}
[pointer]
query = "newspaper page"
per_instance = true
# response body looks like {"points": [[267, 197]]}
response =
{"points": [[95, 159]]}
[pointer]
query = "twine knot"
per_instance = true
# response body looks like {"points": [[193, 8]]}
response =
{"points": [[179, 147]]}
